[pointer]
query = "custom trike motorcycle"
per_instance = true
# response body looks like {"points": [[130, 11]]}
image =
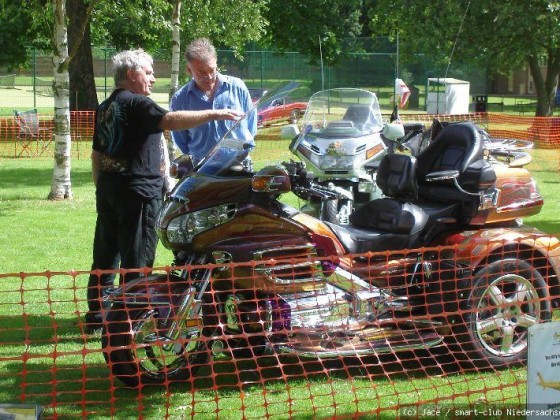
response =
{"points": [[441, 259]]}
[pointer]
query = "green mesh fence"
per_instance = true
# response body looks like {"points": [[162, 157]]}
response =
{"points": [[370, 63]]}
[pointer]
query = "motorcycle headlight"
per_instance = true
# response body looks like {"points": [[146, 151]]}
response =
{"points": [[182, 229], [347, 163]]}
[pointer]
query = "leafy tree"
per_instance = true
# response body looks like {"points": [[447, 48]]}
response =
{"points": [[126, 24], [15, 21], [175, 61], [226, 23], [148, 24], [296, 25], [20, 29], [115, 23], [175, 48], [499, 35]]}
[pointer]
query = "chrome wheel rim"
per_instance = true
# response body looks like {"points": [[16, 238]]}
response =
{"points": [[504, 313], [156, 356]]}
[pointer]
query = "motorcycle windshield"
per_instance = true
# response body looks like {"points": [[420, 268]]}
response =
{"points": [[341, 113], [226, 158], [229, 155]]}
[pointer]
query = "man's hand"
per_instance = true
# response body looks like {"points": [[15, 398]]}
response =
{"points": [[229, 114]]}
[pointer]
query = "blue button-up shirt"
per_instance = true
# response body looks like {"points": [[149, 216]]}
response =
{"points": [[231, 93]]}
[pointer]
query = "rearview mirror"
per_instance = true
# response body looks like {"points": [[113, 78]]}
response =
{"points": [[181, 166], [393, 131], [288, 132]]}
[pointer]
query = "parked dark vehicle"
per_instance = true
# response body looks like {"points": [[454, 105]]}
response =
{"points": [[442, 256]]}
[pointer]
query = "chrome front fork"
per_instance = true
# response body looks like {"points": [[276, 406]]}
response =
{"points": [[189, 309]]}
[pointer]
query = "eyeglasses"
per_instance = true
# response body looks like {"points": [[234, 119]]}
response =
{"points": [[203, 71], [205, 75]]}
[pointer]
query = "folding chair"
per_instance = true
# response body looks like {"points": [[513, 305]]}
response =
{"points": [[31, 132]]}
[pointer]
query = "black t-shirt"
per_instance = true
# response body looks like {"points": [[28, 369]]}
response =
{"points": [[128, 138]]}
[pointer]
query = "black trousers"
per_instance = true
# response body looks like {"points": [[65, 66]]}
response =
{"points": [[125, 236]]}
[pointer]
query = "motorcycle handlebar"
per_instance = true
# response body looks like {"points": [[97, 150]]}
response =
{"points": [[302, 182]]}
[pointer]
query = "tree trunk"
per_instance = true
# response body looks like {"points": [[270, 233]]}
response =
{"points": [[175, 62], [545, 87], [83, 95], [61, 187], [175, 48]]}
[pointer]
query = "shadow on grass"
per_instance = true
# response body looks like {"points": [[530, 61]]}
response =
{"points": [[232, 376], [14, 179], [45, 331]]}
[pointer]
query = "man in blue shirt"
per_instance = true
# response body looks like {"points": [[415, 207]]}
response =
{"points": [[209, 89]]}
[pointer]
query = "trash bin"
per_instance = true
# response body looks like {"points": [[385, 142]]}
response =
{"points": [[480, 103]]}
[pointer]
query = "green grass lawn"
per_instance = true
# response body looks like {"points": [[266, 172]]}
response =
{"points": [[47, 359], [41, 235], [545, 168]]}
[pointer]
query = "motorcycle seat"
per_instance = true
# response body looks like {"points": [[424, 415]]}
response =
{"points": [[358, 240], [415, 211], [403, 225], [397, 176], [391, 215], [459, 146], [388, 223]]}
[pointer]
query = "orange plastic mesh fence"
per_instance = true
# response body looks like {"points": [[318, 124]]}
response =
{"points": [[543, 131], [386, 336], [16, 140]]}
